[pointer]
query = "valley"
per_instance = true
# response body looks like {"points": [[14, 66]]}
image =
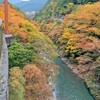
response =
{"points": [[55, 41]]}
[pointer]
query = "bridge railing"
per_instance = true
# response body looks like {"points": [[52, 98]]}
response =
{"points": [[1, 38], [4, 93]]}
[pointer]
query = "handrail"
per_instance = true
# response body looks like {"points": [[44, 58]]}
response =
{"points": [[1, 38]]}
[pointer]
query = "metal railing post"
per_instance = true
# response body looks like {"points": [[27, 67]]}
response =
{"points": [[6, 15]]}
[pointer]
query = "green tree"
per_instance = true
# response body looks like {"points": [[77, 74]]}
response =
{"points": [[20, 55]]}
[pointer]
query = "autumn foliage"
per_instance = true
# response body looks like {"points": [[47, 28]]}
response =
{"points": [[79, 33], [28, 83], [19, 25], [32, 53], [78, 40], [36, 85], [16, 84], [30, 46]]}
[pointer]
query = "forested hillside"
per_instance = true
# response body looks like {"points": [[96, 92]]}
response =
{"points": [[30, 58], [69, 29], [59, 8], [78, 41]]}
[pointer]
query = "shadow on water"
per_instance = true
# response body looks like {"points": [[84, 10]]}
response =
{"points": [[69, 86]]}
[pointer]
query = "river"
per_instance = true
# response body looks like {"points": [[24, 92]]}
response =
{"points": [[68, 86]]}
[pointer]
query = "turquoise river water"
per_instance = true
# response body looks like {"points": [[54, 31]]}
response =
{"points": [[68, 86]]}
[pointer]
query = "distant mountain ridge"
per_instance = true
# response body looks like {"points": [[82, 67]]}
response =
{"points": [[29, 6]]}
